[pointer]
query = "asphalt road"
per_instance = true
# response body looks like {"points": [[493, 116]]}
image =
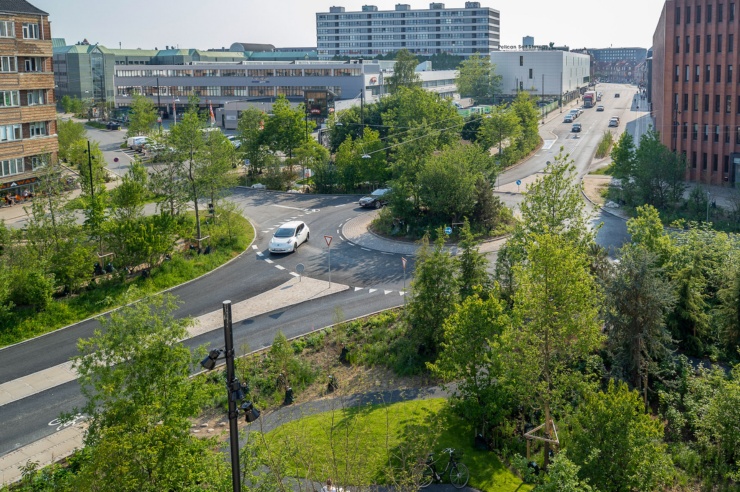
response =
{"points": [[27, 420]]}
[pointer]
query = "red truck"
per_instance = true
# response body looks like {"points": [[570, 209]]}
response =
{"points": [[589, 99]]}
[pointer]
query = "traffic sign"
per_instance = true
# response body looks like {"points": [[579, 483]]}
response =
{"points": [[518, 182], [328, 240], [403, 261], [300, 268], [448, 230]]}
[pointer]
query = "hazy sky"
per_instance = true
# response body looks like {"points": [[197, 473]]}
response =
{"points": [[215, 23]]}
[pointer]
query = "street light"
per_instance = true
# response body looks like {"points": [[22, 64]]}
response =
{"points": [[237, 391]]}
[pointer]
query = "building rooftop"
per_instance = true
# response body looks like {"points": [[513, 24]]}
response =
{"points": [[19, 7]]}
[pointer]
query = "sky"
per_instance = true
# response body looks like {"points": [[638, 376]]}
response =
{"points": [[204, 24]]}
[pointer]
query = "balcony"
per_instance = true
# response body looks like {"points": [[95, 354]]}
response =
{"points": [[29, 146]]}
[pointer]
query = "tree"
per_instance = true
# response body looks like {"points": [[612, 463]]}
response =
{"points": [[128, 198], [658, 173], [503, 125], [563, 476], [142, 116], [477, 78], [556, 322], [638, 297], [311, 155], [472, 264], [729, 308], [69, 133], [434, 292], [135, 376], [525, 109], [251, 135], [187, 139], [286, 128], [617, 445], [468, 354], [404, 72], [90, 161], [216, 177]]}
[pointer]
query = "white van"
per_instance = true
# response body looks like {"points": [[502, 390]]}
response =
{"points": [[136, 143]]}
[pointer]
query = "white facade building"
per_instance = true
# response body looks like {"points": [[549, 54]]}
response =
{"points": [[371, 32], [547, 73]]}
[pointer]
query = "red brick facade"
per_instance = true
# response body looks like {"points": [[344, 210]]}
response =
{"points": [[696, 86]]}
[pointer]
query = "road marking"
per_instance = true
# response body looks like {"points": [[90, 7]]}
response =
{"points": [[267, 231], [294, 274], [292, 208], [402, 292], [260, 254], [268, 260], [254, 246], [351, 244], [276, 225], [338, 232], [280, 267], [386, 253], [548, 144], [294, 217], [364, 249], [358, 288], [386, 292], [372, 290]]}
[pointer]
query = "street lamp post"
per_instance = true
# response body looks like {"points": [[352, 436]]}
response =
{"points": [[159, 106]]}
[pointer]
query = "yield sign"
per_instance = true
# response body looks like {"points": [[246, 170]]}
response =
{"points": [[328, 240]]}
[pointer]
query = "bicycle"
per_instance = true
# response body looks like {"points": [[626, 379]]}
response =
{"points": [[458, 472]]}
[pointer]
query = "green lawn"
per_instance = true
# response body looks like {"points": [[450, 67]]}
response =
{"points": [[352, 445]]}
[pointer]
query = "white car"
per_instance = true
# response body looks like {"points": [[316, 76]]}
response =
{"points": [[288, 237]]}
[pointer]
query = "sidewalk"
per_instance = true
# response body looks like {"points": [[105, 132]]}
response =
{"points": [[63, 443]]}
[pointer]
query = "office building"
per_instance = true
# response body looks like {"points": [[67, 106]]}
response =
{"points": [[694, 93], [543, 73], [28, 140], [371, 32]]}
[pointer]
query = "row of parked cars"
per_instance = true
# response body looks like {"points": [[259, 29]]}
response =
{"points": [[572, 115]]}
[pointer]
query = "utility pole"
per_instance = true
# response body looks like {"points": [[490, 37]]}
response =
{"points": [[233, 388]]}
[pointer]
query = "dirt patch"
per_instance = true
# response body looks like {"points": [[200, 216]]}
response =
{"points": [[593, 187]]}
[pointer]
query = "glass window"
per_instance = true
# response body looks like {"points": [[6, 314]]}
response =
{"points": [[36, 97], [9, 98], [37, 129], [708, 73], [678, 44], [684, 131], [9, 133], [709, 13], [678, 15], [732, 11], [677, 75], [34, 64], [706, 103], [8, 64], [729, 74], [706, 133], [697, 17], [727, 134], [728, 104], [695, 132], [697, 44], [11, 166], [37, 162], [714, 162], [708, 44], [716, 133], [7, 29], [730, 43], [693, 160], [720, 12], [685, 102], [696, 102], [30, 31], [718, 75], [719, 43], [688, 15], [697, 73]]}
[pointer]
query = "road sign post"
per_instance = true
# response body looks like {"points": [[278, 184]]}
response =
{"points": [[300, 268], [403, 262], [518, 182], [328, 245], [448, 230]]}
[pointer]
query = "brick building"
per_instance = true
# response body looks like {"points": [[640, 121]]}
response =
{"points": [[28, 138], [694, 94]]}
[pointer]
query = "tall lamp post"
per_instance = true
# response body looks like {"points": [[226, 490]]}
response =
{"points": [[159, 106], [237, 391]]}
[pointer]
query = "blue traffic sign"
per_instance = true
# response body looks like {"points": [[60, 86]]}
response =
{"points": [[518, 182], [448, 230]]}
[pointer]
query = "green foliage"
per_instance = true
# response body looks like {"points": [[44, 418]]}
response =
{"points": [[285, 130], [602, 150], [135, 377], [477, 78], [142, 116], [434, 292], [562, 476], [503, 126], [528, 114], [472, 265], [128, 198], [617, 445], [68, 133], [404, 72]]}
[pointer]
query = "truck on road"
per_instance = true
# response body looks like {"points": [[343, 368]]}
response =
{"points": [[589, 99]]}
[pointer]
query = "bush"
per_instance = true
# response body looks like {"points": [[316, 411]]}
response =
{"points": [[604, 145]]}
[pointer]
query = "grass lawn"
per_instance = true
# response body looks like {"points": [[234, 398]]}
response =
{"points": [[352, 445], [25, 323]]}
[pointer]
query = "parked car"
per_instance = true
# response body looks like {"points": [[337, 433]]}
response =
{"points": [[599, 108], [376, 199], [568, 118], [234, 141], [112, 125], [288, 237], [576, 128], [614, 122], [258, 186]]}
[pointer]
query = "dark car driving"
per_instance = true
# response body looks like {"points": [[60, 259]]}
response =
{"points": [[376, 199]]}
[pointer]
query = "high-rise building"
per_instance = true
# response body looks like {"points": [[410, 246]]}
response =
{"points": [[694, 87], [372, 32], [28, 138]]}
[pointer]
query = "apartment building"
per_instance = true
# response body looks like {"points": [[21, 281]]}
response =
{"points": [[371, 32], [27, 112], [694, 94]]}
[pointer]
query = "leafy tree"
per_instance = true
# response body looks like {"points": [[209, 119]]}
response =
{"points": [[68, 133], [638, 297], [489, 211], [503, 125], [556, 321], [250, 130], [729, 308], [66, 103], [646, 229], [468, 355], [93, 188], [658, 174], [434, 292], [311, 154], [286, 129], [472, 264], [448, 181], [477, 78], [563, 476], [617, 445], [404, 72], [128, 198], [142, 116], [216, 177], [624, 162], [135, 376], [525, 109]]}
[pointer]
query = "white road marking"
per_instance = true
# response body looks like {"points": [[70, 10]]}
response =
{"points": [[294, 274], [358, 288], [385, 253], [338, 231], [372, 290], [294, 217], [351, 244], [386, 292], [402, 292], [267, 231], [364, 249], [268, 260], [254, 246], [548, 144], [292, 208], [280, 267]]}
